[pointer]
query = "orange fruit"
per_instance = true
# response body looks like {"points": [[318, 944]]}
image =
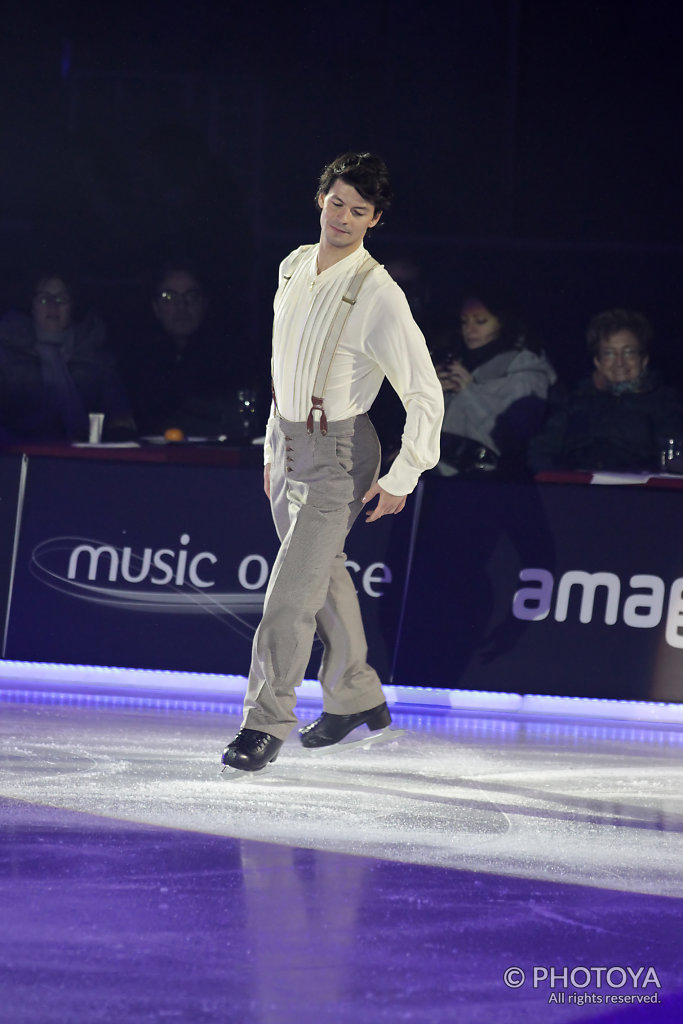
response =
{"points": [[174, 434]]}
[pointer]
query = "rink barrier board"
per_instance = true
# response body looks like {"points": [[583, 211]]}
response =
{"points": [[162, 569]]}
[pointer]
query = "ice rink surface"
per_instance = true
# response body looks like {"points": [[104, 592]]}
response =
{"points": [[346, 886]]}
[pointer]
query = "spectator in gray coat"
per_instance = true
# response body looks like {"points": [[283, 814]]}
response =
{"points": [[496, 386]]}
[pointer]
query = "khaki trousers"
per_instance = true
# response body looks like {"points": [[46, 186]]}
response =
{"points": [[317, 483]]}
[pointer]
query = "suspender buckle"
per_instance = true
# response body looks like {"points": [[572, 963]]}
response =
{"points": [[317, 407]]}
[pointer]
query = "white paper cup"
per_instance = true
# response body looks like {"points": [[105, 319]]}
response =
{"points": [[96, 422]]}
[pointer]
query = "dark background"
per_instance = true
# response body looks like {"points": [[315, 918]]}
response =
{"points": [[533, 141]]}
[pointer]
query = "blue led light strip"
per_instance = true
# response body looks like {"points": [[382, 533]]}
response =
{"points": [[222, 693]]}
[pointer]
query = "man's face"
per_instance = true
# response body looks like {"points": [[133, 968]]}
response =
{"points": [[180, 304], [345, 216], [51, 308], [620, 358]]}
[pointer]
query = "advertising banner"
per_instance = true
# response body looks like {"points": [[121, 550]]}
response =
{"points": [[553, 589], [165, 567]]}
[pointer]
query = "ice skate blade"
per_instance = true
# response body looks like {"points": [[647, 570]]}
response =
{"points": [[381, 736], [230, 774]]}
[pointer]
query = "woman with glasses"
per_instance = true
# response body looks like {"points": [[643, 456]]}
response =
{"points": [[56, 368], [619, 418]]}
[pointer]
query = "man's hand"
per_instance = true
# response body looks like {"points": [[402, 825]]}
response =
{"points": [[388, 504], [266, 480]]}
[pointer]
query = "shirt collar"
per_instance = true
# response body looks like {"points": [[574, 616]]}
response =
{"points": [[349, 263]]}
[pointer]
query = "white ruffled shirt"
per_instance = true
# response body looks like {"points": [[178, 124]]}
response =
{"points": [[380, 339]]}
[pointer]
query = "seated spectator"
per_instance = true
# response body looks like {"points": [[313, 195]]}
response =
{"points": [[620, 417], [179, 372], [55, 369], [496, 387]]}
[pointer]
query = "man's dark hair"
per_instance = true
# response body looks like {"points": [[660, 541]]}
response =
{"points": [[367, 173], [604, 325], [160, 274], [42, 280]]}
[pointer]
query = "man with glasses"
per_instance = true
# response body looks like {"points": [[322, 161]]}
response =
{"points": [[182, 373], [620, 418], [180, 305]]}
